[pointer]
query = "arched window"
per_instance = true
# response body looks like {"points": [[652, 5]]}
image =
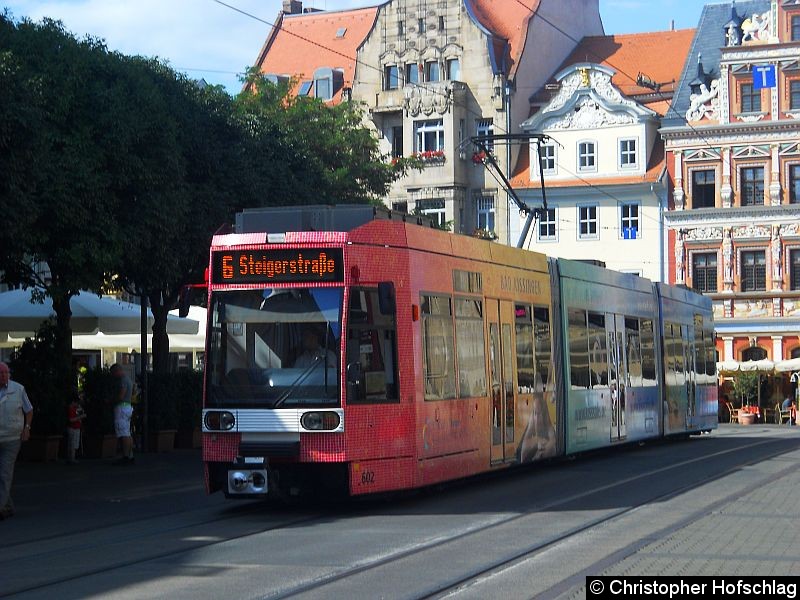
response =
{"points": [[754, 353]]}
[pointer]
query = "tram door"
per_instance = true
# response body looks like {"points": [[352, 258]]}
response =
{"points": [[500, 315], [617, 375]]}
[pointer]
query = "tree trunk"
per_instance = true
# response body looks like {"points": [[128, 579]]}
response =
{"points": [[63, 341], [160, 348]]}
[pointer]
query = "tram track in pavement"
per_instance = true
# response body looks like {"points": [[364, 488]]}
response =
{"points": [[317, 588], [448, 586], [194, 543]]}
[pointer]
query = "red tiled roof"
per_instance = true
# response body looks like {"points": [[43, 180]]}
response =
{"points": [[659, 55], [521, 178], [508, 20], [298, 45]]}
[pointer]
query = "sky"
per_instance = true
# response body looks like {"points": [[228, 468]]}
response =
{"points": [[207, 40]]}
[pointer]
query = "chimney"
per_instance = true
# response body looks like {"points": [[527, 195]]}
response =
{"points": [[292, 7]]}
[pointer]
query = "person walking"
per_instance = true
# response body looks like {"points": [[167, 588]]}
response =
{"points": [[123, 410], [16, 415]]}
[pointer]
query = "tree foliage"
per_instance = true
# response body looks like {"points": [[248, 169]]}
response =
{"points": [[117, 170]]}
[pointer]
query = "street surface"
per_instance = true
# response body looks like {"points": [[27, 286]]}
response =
{"points": [[717, 504]]}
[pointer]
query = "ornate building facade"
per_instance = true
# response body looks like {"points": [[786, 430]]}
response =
{"points": [[432, 74], [734, 222], [604, 166]]}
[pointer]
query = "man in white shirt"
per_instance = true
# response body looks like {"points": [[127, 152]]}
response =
{"points": [[16, 414], [313, 352]]}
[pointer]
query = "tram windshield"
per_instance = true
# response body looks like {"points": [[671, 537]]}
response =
{"points": [[275, 348]]}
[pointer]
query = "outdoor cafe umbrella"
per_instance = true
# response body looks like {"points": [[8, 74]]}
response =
{"points": [[90, 314]]}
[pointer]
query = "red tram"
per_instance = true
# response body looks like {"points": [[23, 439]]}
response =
{"points": [[350, 350]]}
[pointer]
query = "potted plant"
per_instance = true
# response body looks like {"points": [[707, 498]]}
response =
{"points": [[745, 387]]}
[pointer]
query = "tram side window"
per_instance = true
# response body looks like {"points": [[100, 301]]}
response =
{"points": [[648, 352], [634, 351], [699, 349], [372, 343], [438, 356], [470, 347], [679, 331], [543, 352], [578, 350], [598, 352], [526, 374]]}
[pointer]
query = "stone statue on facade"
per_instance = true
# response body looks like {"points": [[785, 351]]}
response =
{"points": [[732, 35], [775, 245], [705, 103], [679, 267], [727, 255], [756, 28]]}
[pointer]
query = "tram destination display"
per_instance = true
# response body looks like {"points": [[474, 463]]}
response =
{"points": [[300, 265]]}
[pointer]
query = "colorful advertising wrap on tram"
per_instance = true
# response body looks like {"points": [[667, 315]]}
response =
{"points": [[393, 356]]}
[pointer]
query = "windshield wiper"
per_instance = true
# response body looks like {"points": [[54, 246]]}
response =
{"points": [[300, 379]]}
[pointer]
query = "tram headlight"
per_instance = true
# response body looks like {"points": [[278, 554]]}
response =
{"points": [[320, 420], [219, 420]]}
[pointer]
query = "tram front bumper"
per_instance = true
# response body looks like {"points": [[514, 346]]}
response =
{"points": [[247, 482]]}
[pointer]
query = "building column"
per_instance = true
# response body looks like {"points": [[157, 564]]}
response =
{"points": [[777, 347], [727, 352], [776, 259], [726, 191], [727, 259], [678, 195], [775, 183], [679, 264]]}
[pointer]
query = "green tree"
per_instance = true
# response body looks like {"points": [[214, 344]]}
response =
{"points": [[59, 147], [328, 154]]}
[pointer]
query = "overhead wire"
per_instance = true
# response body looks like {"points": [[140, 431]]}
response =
{"points": [[496, 126]]}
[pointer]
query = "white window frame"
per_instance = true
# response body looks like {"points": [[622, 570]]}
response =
{"points": [[596, 220], [629, 219], [537, 163], [486, 213], [592, 154], [485, 127], [628, 152], [439, 214], [545, 221], [317, 94], [435, 126]]}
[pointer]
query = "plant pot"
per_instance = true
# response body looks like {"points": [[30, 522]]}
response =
{"points": [[162, 440], [746, 418], [98, 445], [40, 448]]}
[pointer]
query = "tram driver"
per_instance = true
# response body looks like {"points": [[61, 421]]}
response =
{"points": [[312, 351]]}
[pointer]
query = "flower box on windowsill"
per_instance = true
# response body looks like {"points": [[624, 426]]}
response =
{"points": [[433, 158]]}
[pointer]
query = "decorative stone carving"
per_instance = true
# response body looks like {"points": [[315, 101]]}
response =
{"points": [[775, 248], [427, 99], [568, 86], [679, 196], [756, 28], [590, 115], [704, 233], [750, 118], [752, 308], [791, 229], [732, 36], [752, 231], [601, 83], [679, 266], [705, 104], [791, 308], [727, 257]]}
